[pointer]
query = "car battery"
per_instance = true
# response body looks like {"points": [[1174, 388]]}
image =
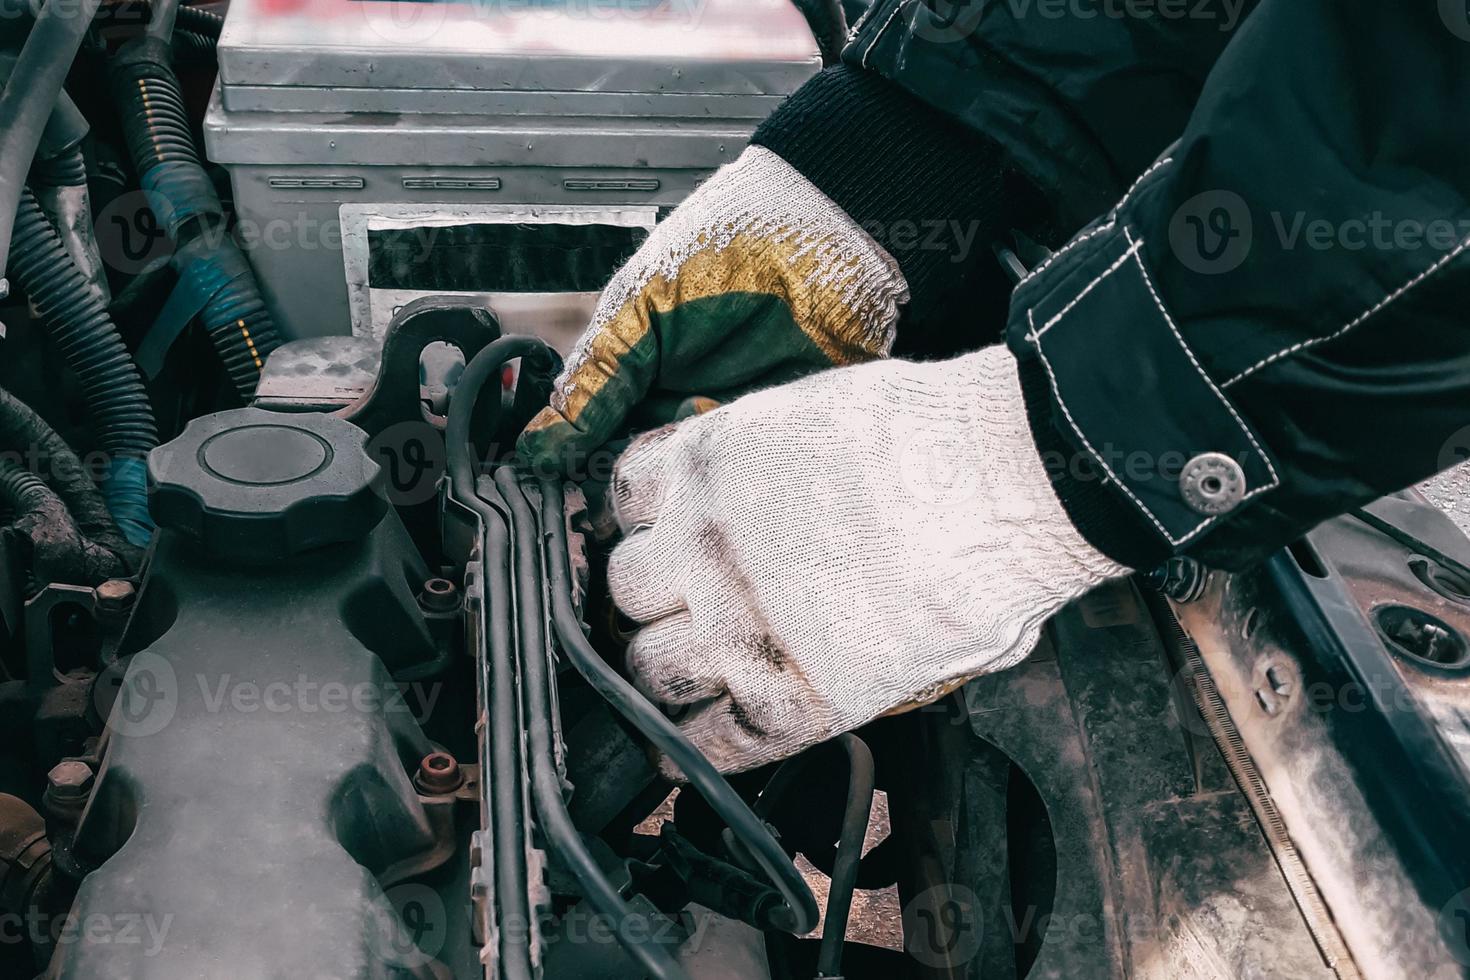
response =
{"points": [[513, 151]]}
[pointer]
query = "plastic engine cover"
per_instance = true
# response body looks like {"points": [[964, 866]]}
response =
{"points": [[256, 781]]}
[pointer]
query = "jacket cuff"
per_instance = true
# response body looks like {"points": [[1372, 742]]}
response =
{"points": [[1148, 454], [935, 194]]}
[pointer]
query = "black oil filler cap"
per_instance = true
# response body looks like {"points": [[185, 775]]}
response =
{"points": [[258, 486]]}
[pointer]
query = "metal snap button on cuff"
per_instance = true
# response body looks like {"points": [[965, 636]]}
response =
{"points": [[1212, 483]]}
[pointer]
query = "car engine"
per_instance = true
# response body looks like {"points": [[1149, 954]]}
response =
{"points": [[303, 676]]}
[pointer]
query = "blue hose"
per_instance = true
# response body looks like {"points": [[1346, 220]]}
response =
{"points": [[161, 144]]}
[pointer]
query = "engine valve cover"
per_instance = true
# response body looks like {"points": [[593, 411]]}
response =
{"points": [[256, 778]]}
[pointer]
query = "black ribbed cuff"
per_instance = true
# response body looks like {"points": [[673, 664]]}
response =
{"points": [[1098, 511], [933, 193]]}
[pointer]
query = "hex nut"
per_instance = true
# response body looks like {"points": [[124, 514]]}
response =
{"points": [[116, 594], [70, 780]]}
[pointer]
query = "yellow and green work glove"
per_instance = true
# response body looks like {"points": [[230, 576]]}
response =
{"points": [[756, 279]]}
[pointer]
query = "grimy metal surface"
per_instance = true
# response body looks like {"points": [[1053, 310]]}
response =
{"points": [[1160, 872], [1359, 743]]}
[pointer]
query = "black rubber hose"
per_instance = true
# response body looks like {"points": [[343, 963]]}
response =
{"points": [[63, 170], [199, 21], [60, 151], [59, 179], [507, 820], [59, 175], [546, 791], [157, 131], [853, 832], [195, 20], [481, 368], [57, 161], [89, 341], [30, 95], [20, 488], [195, 48], [860, 788], [156, 121]]}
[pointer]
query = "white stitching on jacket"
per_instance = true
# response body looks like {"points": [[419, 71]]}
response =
{"points": [[1174, 329], [1037, 334], [1111, 223], [1100, 229], [1156, 165], [1035, 337], [1372, 311]]}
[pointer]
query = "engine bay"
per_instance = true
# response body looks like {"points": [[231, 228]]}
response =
{"points": [[303, 675]]}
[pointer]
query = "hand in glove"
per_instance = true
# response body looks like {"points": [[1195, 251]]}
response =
{"points": [[815, 555], [755, 279]]}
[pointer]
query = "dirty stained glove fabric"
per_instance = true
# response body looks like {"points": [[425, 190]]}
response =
{"points": [[818, 554], [757, 278]]}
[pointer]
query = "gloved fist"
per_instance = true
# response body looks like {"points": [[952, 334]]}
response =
{"points": [[815, 555], [757, 278]]}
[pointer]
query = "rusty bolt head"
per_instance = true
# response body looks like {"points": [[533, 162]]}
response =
{"points": [[70, 780], [115, 594], [439, 595], [439, 773]]}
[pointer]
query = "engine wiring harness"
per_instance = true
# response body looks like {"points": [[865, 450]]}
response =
{"points": [[523, 550]]}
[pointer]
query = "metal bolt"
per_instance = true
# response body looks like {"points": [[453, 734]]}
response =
{"points": [[69, 781], [439, 595], [439, 773], [115, 595]]}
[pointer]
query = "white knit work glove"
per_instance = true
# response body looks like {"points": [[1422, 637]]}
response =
{"points": [[815, 555]]}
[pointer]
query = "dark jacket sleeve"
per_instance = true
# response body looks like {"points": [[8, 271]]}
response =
{"points": [[1272, 326], [934, 193]]}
